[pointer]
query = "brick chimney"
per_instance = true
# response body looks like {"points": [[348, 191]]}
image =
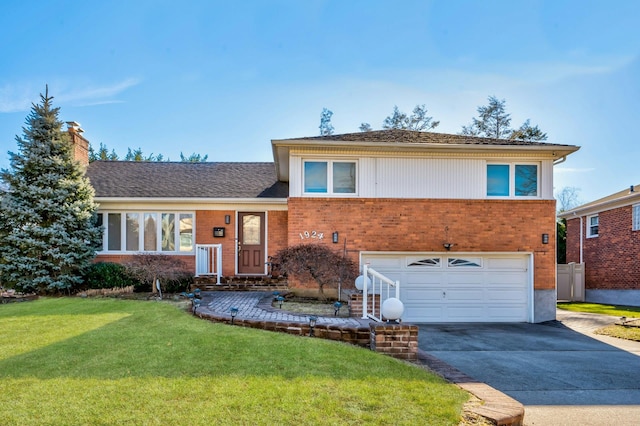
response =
{"points": [[80, 144]]}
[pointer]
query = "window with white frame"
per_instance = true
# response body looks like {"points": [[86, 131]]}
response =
{"points": [[134, 232], [329, 177], [593, 225], [636, 217], [512, 180]]}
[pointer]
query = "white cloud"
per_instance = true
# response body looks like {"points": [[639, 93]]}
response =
{"points": [[573, 169], [19, 97]]}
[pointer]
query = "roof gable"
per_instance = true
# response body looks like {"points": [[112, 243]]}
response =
{"points": [[410, 141]]}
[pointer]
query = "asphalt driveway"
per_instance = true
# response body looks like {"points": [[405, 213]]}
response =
{"points": [[546, 364]]}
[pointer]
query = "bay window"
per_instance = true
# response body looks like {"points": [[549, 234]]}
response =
{"points": [[135, 232]]}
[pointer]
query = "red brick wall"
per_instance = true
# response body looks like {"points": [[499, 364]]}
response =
{"points": [[277, 230], [206, 220], [612, 260], [419, 225]]}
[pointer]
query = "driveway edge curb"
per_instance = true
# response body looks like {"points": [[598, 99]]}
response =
{"points": [[497, 408]]}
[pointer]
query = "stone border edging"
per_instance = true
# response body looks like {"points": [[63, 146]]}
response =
{"points": [[498, 407]]}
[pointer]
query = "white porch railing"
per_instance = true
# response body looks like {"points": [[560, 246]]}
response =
{"points": [[209, 260], [380, 286]]}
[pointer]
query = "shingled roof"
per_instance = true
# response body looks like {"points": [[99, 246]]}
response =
{"points": [[137, 179], [410, 136]]}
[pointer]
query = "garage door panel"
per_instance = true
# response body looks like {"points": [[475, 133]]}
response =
{"points": [[502, 277], [464, 277], [424, 278], [511, 312], [464, 313], [424, 313], [420, 294], [471, 294], [515, 295]]}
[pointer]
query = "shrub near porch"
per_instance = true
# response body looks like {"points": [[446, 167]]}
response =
{"points": [[88, 361]]}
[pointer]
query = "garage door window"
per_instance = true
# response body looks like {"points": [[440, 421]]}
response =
{"points": [[431, 262], [472, 262]]}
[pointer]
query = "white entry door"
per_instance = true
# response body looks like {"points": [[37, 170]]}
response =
{"points": [[452, 287]]}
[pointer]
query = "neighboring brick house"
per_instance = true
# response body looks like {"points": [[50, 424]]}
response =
{"points": [[466, 224], [605, 236]]}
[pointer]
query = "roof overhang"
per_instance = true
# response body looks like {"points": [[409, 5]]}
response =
{"points": [[282, 149], [596, 207], [188, 201]]}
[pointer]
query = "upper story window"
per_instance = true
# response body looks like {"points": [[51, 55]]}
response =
{"points": [[330, 177], [512, 180], [167, 232], [593, 224], [636, 217]]}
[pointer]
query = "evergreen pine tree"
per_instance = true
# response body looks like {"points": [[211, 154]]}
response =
{"points": [[47, 219]]}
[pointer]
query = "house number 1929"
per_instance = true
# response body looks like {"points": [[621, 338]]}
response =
{"points": [[311, 234]]}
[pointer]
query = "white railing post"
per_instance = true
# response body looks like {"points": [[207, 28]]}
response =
{"points": [[209, 260], [365, 296], [381, 280], [218, 263]]}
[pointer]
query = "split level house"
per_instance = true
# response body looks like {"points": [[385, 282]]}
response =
{"points": [[466, 224], [604, 235]]}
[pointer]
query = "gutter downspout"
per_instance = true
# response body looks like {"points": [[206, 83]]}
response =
{"points": [[581, 237], [560, 160]]}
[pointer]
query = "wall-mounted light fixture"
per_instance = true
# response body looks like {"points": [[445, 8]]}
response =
{"points": [[447, 246], [545, 238], [335, 237], [227, 219]]}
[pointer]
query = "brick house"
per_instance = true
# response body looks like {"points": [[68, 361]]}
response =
{"points": [[466, 224], [605, 236]]}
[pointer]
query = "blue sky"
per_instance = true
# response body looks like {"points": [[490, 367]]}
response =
{"points": [[224, 78]]}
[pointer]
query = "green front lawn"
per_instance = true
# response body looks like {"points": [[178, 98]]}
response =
{"points": [[106, 361], [622, 332]]}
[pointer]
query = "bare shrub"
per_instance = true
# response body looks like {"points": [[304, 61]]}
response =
{"points": [[316, 262], [147, 268]]}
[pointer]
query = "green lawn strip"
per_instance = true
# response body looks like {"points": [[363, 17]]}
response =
{"points": [[620, 331], [107, 361], [596, 308]]}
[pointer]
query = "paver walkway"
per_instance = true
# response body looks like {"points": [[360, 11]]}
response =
{"points": [[256, 305]]}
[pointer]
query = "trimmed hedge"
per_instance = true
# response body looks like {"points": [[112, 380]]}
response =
{"points": [[108, 275]]}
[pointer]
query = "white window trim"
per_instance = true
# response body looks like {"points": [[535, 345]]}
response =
{"points": [[635, 217], [329, 192], [141, 213], [512, 180], [589, 234]]}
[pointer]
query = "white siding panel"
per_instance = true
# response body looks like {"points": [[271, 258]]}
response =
{"points": [[430, 178], [546, 180], [295, 176], [367, 177]]}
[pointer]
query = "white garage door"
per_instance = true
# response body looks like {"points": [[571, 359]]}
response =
{"points": [[446, 287]]}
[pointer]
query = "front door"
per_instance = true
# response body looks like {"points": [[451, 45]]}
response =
{"points": [[251, 245]]}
